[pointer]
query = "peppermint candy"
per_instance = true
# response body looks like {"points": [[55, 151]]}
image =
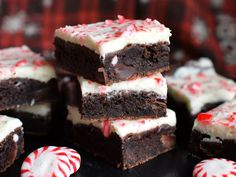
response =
{"points": [[215, 167], [51, 161]]}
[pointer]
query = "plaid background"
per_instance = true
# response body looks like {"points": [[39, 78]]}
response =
{"points": [[200, 28]]}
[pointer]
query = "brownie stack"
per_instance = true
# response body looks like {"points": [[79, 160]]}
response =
{"points": [[27, 88], [110, 73]]}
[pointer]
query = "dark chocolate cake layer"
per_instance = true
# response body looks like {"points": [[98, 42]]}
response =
{"points": [[124, 153], [20, 91], [202, 146], [122, 105], [11, 150], [132, 61]]}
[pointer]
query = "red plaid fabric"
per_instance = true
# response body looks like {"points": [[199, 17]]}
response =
{"points": [[199, 28]]}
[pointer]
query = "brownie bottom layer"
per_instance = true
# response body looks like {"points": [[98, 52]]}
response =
{"points": [[202, 146], [123, 153], [132, 61], [184, 118], [10, 150], [21, 91]]}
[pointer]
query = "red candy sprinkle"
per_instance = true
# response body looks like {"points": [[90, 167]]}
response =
{"points": [[21, 63], [194, 88], [39, 63], [158, 80], [108, 22], [201, 75], [204, 117], [121, 19], [106, 129]]}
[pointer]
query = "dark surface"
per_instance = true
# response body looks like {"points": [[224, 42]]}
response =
{"points": [[123, 153], [175, 163], [133, 60]]}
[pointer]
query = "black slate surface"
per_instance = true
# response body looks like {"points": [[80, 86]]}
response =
{"points": [[175, 163]]}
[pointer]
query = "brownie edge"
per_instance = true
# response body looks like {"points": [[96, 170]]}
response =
{"points": [[11, 150], [132, 150]]}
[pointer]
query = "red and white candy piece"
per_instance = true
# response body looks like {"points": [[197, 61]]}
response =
{"points": [[51, 161], [215, 167]]}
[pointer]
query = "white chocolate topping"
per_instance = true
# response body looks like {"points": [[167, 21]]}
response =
{"points": [[21, 62], [123, 127], [113, 35], [197, 84]]}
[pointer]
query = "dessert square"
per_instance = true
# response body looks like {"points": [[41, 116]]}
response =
{"points": [[214, 132], [196, 87], [11, 141], [25, 78], [142, 97], [113, 50], [37, 119], [122, 143]]}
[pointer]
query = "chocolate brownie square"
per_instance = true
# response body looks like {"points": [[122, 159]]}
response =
{"points": [[11, 141], [25, 78], [122, 143], [132, 99], [214, 133], [196, 87], [37, 119], [113, 50]]}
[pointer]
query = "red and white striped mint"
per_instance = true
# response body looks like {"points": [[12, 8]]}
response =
{"points": [[51, 161], [215, 167]]}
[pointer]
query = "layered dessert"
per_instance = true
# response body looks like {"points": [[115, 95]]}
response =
{"points": [[194, 88], [113, 50], [25, 78], [214, 132], [142, 97], [11, 141], [37, 119], [123, 143]]}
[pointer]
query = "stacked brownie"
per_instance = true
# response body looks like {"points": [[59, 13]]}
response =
{"points": [[27, 88], [110, 73], [194, 88]]}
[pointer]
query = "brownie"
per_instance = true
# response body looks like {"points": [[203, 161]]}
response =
{"points": [[193, 88], [11, 141], [213, 133], [112, 52], [25, 78], [142, 97], [201, 147], [185, 119], [123, 143], [37, 119], [19, 91]]}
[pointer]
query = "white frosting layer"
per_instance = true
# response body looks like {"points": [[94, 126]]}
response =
{"points": [[21, 62], [8, 125], [41, 109], [197, 84], [155, 83], [110, 36], [219, 122], [123, 127]]}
